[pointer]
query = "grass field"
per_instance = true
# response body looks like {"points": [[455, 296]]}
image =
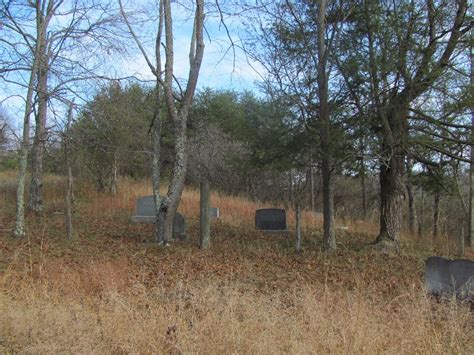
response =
{"points": [[111, 291]]}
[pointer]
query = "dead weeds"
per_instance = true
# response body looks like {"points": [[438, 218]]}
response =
{"points": [[110, 290]]}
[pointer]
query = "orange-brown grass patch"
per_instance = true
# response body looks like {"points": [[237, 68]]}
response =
{"points": [[111, 291], [220, 317]]}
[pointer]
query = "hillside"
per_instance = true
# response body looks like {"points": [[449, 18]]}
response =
{"points": [[111, 290]]}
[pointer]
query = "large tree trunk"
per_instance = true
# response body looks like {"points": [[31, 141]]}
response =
{"points": [[392, 195], [36, 185], [392, 184], [205, 217]]}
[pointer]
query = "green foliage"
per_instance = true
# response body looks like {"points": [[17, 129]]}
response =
{"points": [[266, 128], [9, 162], [112, 132]]}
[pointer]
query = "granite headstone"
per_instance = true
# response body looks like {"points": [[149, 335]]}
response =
{"points": [[445, 278], [214, 212], [270, 219]]}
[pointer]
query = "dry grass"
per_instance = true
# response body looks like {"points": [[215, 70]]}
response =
{"points": [[228, 318], [109, 292]]}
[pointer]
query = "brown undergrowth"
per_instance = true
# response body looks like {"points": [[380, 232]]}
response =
{"points": [[111, 291]]}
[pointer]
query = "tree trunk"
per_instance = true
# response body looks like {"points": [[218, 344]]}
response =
{"points": [[298, 227], [311, 177], [437, 197], [392, 185], [471, 165], [205, 217], [422, 214], [169, 205], [329, 237], [363, 188], [36, 185], [411, 199], [113, 184], [461, 240], [363, 173], [292, 194], [156, 165], [19, 231], [69, 178], [20, 192], [392, 194], [411, 209]]}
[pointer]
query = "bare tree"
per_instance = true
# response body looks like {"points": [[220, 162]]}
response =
{"points": [[178, 106], [66, 38], [36, 48]]}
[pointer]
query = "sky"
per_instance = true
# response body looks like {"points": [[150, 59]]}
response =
{"points": [[222, 68]]}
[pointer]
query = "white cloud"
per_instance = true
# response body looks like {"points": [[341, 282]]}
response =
{"points": [[218, 69]]}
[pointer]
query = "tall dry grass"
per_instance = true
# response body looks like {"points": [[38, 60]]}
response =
{"points": [[107, 293], [99, 309]]}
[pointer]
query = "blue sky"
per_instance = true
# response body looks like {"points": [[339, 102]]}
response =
{"points": [[222, 68]]}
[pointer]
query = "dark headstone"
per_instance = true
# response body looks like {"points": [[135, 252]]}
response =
{"points": [[214, 211], [445, 278], [270, 219], [179, 226], [145, 213]]}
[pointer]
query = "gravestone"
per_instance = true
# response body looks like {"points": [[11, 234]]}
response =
{"points": [[445, 278], [179, 226], [214, 212], [270, 219], [146, 208], [145, 213]]}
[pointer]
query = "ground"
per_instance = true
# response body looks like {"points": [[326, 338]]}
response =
{"points": [[111, 290]]}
